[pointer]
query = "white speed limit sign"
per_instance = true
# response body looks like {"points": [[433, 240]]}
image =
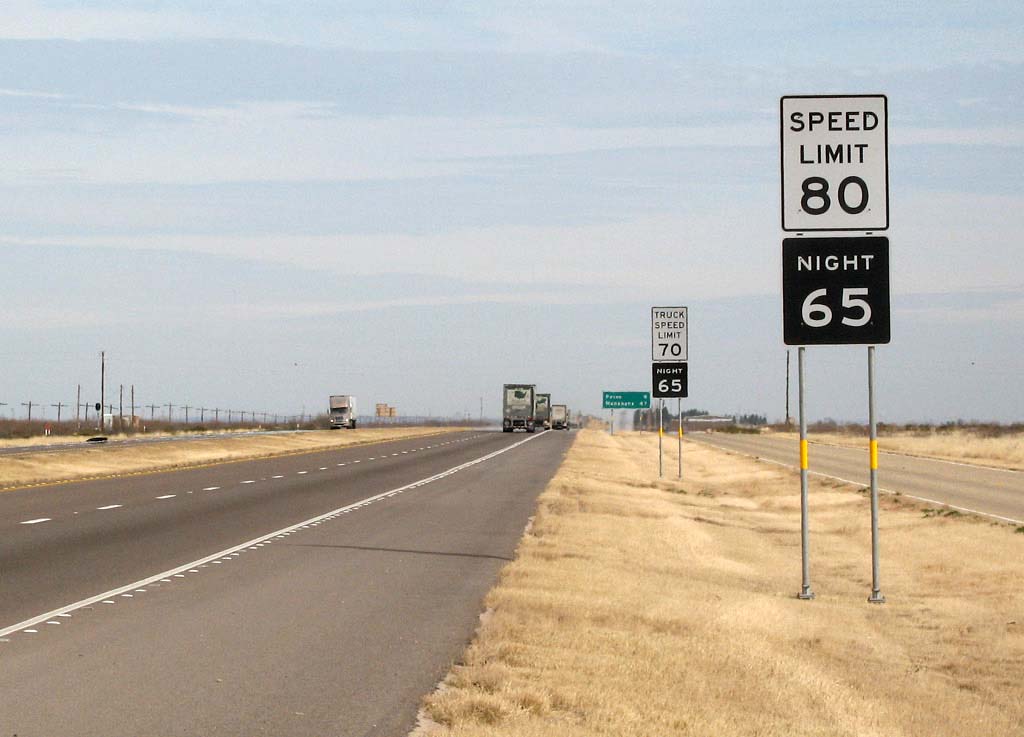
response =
{"points": [[668, 333], [835, 162]]}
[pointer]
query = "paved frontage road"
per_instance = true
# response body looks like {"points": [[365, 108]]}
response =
{"points": [[982, 490]]}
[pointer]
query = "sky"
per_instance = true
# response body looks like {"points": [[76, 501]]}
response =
{"points": [[257, 204]]}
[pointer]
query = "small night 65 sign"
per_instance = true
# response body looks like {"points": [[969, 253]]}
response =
{"points": [[835, 162]]}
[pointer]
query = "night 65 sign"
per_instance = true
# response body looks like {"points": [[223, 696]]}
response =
{"points": [[835, 290], [835, 162], [669, 380]]}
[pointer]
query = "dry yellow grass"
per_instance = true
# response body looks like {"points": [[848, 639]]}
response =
{"points": [[1005, 451], [92, 462], [639, 607]]}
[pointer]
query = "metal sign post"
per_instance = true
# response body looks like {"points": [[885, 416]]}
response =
{"points": [[679, 411], [876, 593], [661, 434], [805, 588]]}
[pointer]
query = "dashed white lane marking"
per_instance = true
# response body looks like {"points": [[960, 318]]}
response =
{"points": [[341, 464], [109, 506], [372, 459], [36, 521], [250, 481], [322, 468], [356, 461], [209, 488], [225, 555], [302, 472], [167, 496], [277, 477]]}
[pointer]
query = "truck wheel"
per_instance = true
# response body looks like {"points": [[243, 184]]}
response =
{"points": [[352, 425]]}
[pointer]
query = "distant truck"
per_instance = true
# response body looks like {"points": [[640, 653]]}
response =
{"points": [[343, 411], [542, 411], [518, 405], [559, 417]]}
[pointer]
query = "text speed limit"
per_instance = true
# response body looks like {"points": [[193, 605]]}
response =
{"points": [[835, 291], [669, 380]]}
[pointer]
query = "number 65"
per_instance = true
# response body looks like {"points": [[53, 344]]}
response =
{"points": [[819, 315]]}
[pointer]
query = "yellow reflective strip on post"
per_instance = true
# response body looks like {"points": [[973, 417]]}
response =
{"points": [[680, 429], [874, 455], [803, 455], [661, 432]]}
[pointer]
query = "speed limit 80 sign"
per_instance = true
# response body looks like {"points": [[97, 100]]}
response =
{"points": [[835, 162]]}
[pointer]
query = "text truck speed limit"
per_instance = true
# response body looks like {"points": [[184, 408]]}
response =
{"points": [[668, 333], [835, 291]]}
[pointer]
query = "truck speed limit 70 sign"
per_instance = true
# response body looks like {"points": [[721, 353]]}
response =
{"points": [[668, 333], [835, 162]]}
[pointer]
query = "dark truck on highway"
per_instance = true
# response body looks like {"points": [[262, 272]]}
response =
{"points": [[518, 405]]}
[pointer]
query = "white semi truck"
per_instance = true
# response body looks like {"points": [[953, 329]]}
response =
{"points": [[559, 417], [518, 405], [542, 411], [343, 411]]}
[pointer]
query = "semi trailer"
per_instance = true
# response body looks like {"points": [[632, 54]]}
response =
{"points": [[518, 402], [343, 411], [559, 417], [542, 411]]}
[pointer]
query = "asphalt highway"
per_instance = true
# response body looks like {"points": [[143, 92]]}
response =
{"points": [[316, 594], [981, 490]]}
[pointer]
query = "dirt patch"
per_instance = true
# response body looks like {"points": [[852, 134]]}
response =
{"points": [[78, 464], [636, 609]]}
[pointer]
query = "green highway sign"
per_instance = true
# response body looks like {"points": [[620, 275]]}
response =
{"points": [[627, 400]]}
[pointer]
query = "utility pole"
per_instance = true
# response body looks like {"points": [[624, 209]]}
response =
{"points": [[202, 415], [229, 415], [187, 408], [86, 418], [132, 420], [481, 410], [120, 407], [28, 404], [170, 408], [78, 408], [216, 415], [103, 384], [58, 406], [152, 410]]}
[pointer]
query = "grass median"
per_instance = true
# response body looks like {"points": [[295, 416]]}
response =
{"points": [[644, 607], [76, 464]]}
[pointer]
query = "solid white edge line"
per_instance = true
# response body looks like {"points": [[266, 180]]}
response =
{"points": [[36, 521], [1011, 520], [180, 570]]}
